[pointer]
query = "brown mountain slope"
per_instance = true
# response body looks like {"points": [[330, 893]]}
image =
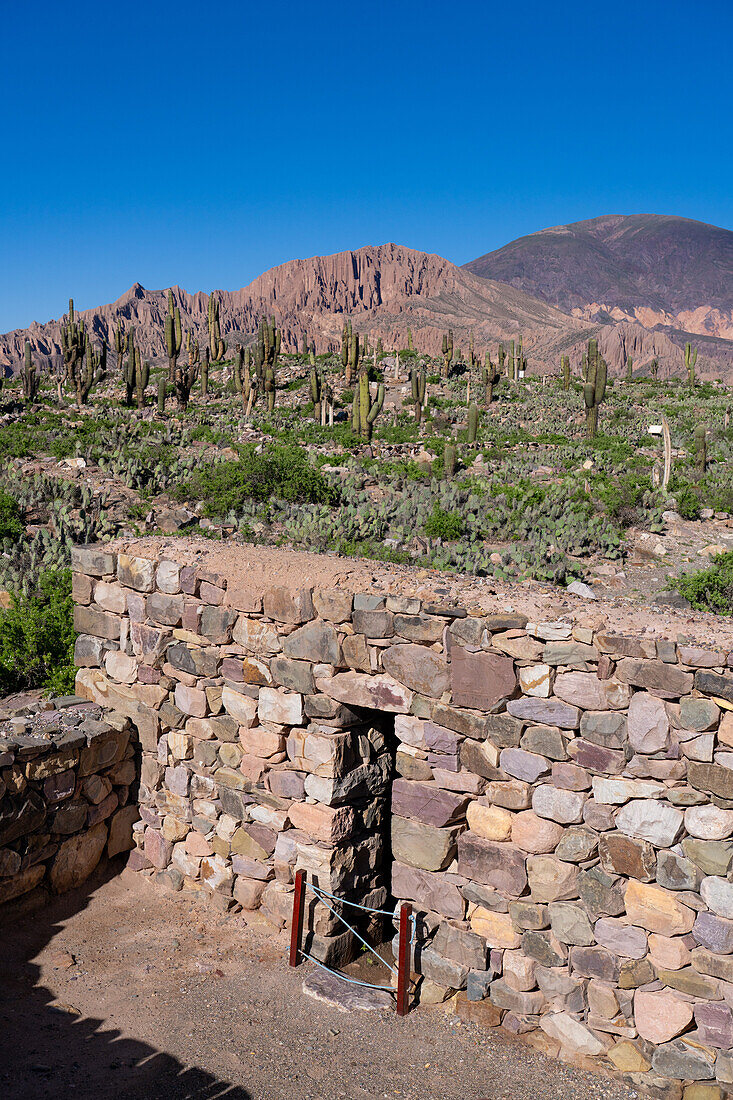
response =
{"points": [[383, 290], [657, 270]]}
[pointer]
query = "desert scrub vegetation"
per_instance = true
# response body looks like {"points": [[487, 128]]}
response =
{"points": [[710, 589], [455, 461]]}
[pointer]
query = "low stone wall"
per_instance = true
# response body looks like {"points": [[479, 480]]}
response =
{"points": [[559, 796], [68, 795]]}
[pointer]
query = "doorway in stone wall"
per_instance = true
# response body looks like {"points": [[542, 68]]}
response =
{"points": [[363, 797]]}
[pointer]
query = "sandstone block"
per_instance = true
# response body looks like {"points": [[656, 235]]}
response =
{"points": [[418, 668], [657, 910], [661, 1016], [501, 866], [647, 819], [480, 680]]}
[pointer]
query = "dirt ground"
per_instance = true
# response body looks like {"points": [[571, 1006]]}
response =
{"points": [[121, 990]]}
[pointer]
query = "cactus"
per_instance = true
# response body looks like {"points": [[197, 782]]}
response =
{"points": [[629, 368], [162, 391], [565, 365], [450, 456], [269, 340], [472, 429], [249, 385], [173, 335], [316, 384], [502, 358], [205, 374], [137, 374], [91, 371], [417, 383], [690, 360], [594, 389], [31, 378], [667, 440], [489, 377], [701, 451], [237, 369], [471, 353], [447, 351], [654, 368], [353, 356], [184, 380], [120, 342], [192, 347], [217, 346], [269, 387], [345, 339], [364, 411], [73, 344]]}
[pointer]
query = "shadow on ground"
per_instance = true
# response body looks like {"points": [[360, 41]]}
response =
{"points": [[48, 1050]]}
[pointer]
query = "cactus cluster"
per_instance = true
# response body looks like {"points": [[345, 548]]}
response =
{"points": [[418, 381], [173, 336], [490, 377], [217, 346], [447, 352], [30, 378], [136, 373], [364, 409]]}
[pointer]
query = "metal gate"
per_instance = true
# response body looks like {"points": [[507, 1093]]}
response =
{"points": [[406, 939]]}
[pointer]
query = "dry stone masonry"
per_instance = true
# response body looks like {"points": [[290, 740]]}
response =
{"points": [[555, 799]]}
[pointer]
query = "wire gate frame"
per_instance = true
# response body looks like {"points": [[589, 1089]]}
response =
{"points": [[402, 970]]}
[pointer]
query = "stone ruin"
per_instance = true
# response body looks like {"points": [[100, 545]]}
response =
{"points": [[554, 795]]}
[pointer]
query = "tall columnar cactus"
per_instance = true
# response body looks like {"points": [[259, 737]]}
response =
{"points": [[162, 393], [447, 351], [473, 420], [217, 346], [137, 373], [490, 377], [237, 369], [629, 368], [701, 451], [249, 385], [205, 374], [471, 351], [594, 389], [502, 358], [345, 340], [270, 387], [654, 368], [690, 360], [192, 349], [364, 410], [183, 382], [352, 365], [73, 344], [316, 386], [120, 342], [91, 371], [450, 458], [30, 378], [565, 365], [418, 380], [173, 335], [269, 340]]}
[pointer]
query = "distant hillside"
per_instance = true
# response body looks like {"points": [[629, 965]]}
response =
{"points": [[385, 290], [653, 269]]}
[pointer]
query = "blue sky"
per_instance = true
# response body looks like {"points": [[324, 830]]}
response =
{"points": [[202, 144]]}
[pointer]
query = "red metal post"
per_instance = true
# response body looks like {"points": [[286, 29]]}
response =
{"points": [[296, 930], [403, 960]]}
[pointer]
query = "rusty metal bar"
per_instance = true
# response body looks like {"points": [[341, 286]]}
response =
{"points": [[403, 960], [296, 928]]}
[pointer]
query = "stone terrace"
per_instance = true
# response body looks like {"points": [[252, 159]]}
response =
{"points": [[548, 780]]}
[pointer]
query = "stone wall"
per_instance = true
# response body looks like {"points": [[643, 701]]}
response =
{"points": [[559, 796], [68, 795]]}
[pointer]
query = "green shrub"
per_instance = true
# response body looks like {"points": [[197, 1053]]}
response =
{"points": [[37, 637], [688, 503], [710, 589], [444, 525], [11, 519], [281, 472]]}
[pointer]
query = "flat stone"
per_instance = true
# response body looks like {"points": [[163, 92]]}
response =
{"points": [[647, 819], [551, 712], [281, 707], [661, 1016], [286, 605], [565, 807], [427, 802], [511, 794], [137, 573], [480, 680], [241, 708], [432, 892], [657, 910], [712, 857], [570, 924], [333, 604], [489, 822], [526, 766], [715, 683], [602, 895], [714, 1025], [419, 668], [501, 866], [571, 1034], [544, 948], [717, 893], [620, 938], [584, 689], [713, 933], [663, 680], [698, 714], [420, 845], [532, 833], [595, 758], [684, 1061], [620, 855], [334, 991], [648, 724], [375, 692], [606, 728], [550, 879], [442, 971], [76, 859], [569, 653], [461, 946], [496, 929], [536, 680], [595, 962], [712, 778], [576, 844], [422, 628], [316, 642], [709, 822]]}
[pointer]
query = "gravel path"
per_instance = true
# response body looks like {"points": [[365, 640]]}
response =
{"points": [[123, 991]]}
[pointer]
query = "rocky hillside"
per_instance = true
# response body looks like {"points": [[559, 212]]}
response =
{"points": [[385, 290], [657, 270]]}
